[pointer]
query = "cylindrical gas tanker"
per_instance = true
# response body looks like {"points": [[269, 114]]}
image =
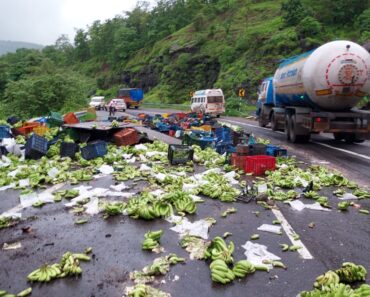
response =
{"points": [[317, 91], [335, 76]]}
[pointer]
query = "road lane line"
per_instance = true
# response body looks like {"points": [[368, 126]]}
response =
{"points": [[315, 142], [303, 252], [342, 150]]}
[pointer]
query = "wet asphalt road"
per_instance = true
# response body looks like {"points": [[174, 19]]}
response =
{"points": [[116, 243]]}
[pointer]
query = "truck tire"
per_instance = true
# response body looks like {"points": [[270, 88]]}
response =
{"points": [[293, 132], [274, 124], [136, 107], [338, 136], [287, 126]]}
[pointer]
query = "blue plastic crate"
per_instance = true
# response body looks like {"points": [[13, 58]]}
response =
{"points": [[36, 147], [276, 151], [222, 148], [5, 132], [223, 134], [94, 150]]}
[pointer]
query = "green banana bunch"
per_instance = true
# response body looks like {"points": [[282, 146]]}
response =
{"points": [[113, 208], [311, 195], [151, 240], [326, 279], [219, 250], [141, 290], [333, 290], [220, 272], [228, 211], [162, 209], [70, 265], [242, 268], [323, 201], [361, 194], [185, 205], [343, 205], [339, 192], [363, 290], [351, 272], [127, 172], [45, 273]]}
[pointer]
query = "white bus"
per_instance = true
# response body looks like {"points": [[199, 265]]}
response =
{"points": [[211, 101]]}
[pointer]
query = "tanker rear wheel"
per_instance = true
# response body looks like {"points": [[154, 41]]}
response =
{"points": [[261, 122], [287, 126], [303, 138], [338, 136], [274, 124]]}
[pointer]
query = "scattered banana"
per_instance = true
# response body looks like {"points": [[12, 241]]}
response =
{"points": [[220, 272], [343, 205], [45, 273], [113, 208], [228, 211], [219, 250], [242, 268], [24, 293], [326, 279], [351, 272], [284, 247], [255, 236], [151, 240]]}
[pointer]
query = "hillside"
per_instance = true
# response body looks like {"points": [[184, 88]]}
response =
{"points": [[7, 46], [177, 47]]}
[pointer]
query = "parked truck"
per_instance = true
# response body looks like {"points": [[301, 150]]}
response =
{"points": [[317, 92], [131, 96]]}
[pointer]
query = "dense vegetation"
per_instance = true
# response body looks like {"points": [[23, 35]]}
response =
{"points": [[174, 48]]}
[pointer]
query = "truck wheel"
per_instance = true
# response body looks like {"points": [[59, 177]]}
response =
{"points": [[136, 107], [274, 124], [261, 122], [338, 136], [287, 126], [293, 132]]}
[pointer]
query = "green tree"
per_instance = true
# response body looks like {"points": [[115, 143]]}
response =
{"points": [[309, 26], [292, 12], [82, 50], [363, 21]]}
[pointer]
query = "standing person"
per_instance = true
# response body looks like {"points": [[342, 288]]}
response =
{"points": [[114, 108], [111, 109]]}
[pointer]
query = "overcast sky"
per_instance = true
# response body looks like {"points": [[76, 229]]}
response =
{"points": [[43, 21]]}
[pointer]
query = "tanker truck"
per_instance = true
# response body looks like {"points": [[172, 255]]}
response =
{"points": [[317, 92]]}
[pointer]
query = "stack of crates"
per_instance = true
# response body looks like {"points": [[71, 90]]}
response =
{"points": [[127, 136], [180, 154], [26, 129], [238, 161], [94, 150], [36, 147]]}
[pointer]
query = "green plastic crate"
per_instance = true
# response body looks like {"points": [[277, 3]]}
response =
{"points": [[55, 119]]}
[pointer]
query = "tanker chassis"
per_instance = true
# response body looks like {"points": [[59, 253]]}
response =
{"points": [[316, 92]]}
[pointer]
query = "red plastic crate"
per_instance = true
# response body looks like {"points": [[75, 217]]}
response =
{"points": [[27, 128], [171, 133], [258, 165], [70, 118], [127, 136], [238, 161]]}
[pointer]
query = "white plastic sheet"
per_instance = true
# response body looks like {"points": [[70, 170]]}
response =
{"points": [[258, 253], [299, 206], [92, 207], [348, 196], [141, 147], [106, 169], [270, 228], [53, 172], [4, 188], [118, 187], [185, 227]]}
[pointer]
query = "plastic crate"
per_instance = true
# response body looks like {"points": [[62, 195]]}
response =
{"points": [[258, 165], [257, 149], [180, 154], [13, 120], [55, 119], [127, 136], [223, 148], [203, 142], [276, 151], [94, 150], [40, 130], [69, 149], [5, 132], [242, 149], [238, 161], [26, 128], [36, 147], [70, 118]]}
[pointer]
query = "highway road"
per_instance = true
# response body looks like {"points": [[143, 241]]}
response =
{"points": [[336, 237]]}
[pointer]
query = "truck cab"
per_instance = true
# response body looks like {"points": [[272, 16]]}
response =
{"points": [[265, 101]]}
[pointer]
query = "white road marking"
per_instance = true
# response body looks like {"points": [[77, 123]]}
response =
{"points": [[315, 142], [342, 150], [303, 251]]}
